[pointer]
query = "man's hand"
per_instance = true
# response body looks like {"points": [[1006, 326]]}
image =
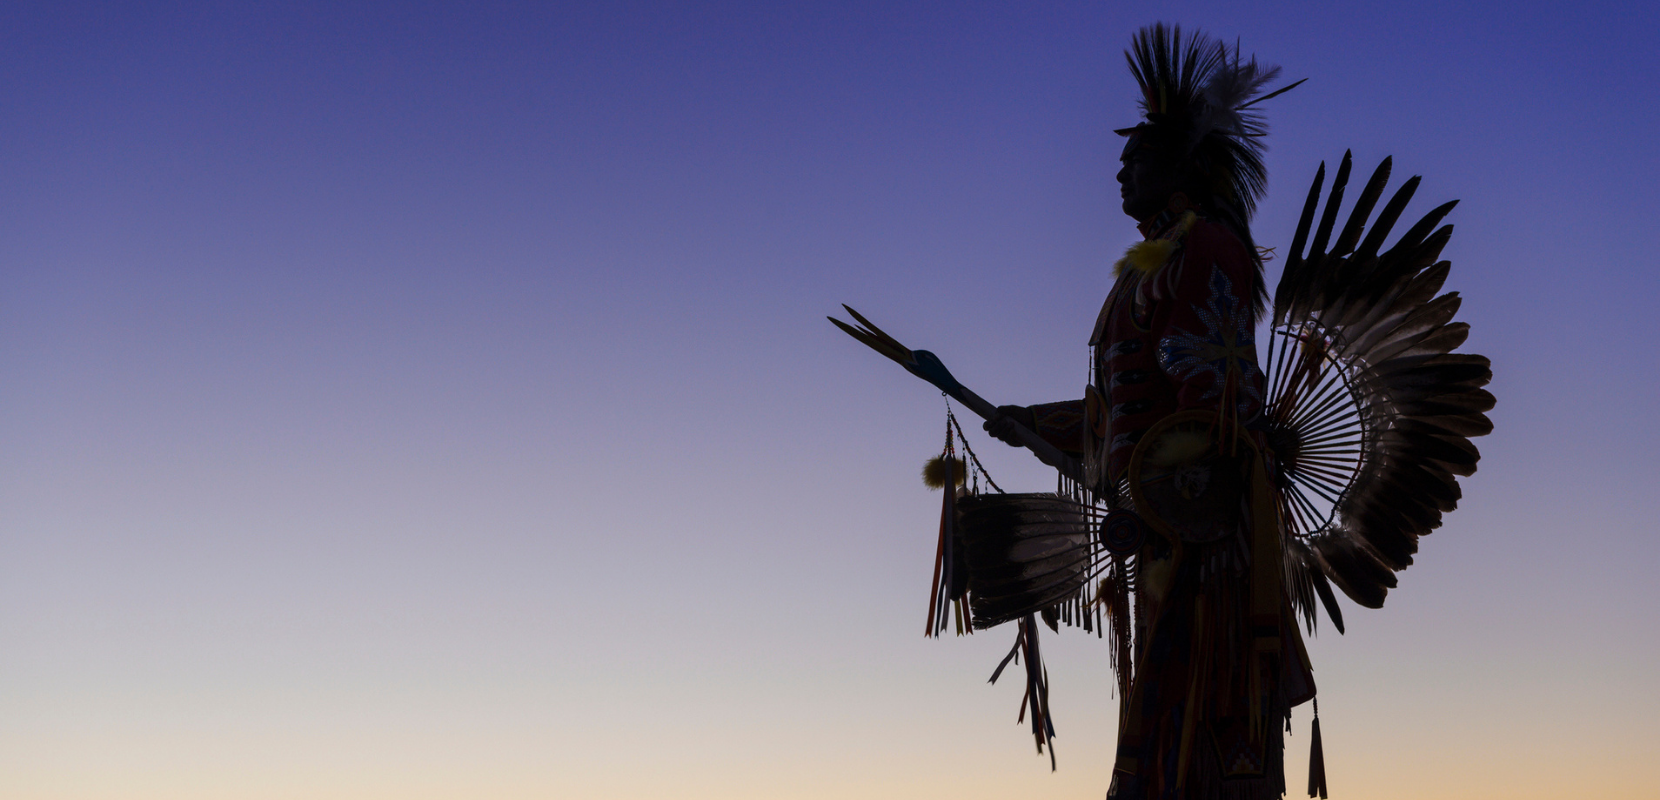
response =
{"points": [[1002, 426]]}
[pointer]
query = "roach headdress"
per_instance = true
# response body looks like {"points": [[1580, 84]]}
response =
{"points": [[1198, 98]]}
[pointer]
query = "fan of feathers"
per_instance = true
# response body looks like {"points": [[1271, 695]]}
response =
{"points": [[1370, 411]]}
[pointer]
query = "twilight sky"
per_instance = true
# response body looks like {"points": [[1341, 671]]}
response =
{"points": [[411, 401]]}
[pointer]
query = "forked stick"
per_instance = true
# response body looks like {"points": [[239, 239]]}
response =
{"points": [[927, 366]]}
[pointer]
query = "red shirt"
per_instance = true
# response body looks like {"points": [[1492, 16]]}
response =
{"points": [[1180, 337]]}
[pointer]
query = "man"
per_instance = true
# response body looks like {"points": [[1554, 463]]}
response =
{"points": [[1166, 432]]}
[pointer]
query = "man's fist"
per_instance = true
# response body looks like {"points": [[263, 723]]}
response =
{"points": [[1002, 427]]}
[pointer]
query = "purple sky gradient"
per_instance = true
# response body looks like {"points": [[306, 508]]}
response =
{"points": [[437, 401]]}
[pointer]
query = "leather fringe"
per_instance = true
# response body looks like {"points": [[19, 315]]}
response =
{"points": [[1317, 760]]}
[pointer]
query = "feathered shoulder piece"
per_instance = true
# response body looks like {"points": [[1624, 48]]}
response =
{"points": [[1198, 101]]}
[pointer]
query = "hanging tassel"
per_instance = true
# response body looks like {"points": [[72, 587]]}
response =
{"points": [[946, 472], [1317, 760], [951, 474], [1036, 697], [939, 596], [1037, 690], [1112, 601]]}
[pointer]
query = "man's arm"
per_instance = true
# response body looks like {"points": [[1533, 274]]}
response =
{"points": [[1060, 424]]}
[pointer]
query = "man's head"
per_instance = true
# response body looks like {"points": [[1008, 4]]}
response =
{"points": [[1153, 172], [1202, 135]]}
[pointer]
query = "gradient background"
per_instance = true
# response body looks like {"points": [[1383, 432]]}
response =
{"points": [[410, 402]]}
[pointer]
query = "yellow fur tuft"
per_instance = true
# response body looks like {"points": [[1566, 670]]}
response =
{"points": [[936, 472], [1145, 257], [1150, 256]]}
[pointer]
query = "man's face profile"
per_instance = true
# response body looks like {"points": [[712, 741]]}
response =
{"points": [[1146, 181]]}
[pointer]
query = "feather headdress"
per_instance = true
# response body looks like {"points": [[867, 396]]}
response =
{"points": [[1198, 99]]}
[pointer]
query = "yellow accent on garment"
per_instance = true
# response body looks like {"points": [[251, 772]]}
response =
{"points": [[1179, 448], [1149, 256]]}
